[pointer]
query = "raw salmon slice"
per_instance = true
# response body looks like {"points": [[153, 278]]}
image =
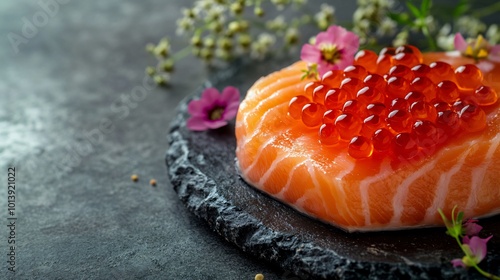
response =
{"points": [[283, 158]]}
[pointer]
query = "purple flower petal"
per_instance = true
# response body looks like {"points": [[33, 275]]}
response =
{"points": [[323, 38], [196, 123], [495, 50], [458, 263], [215, 124], [310, 54], [196, 107], [495, 53], [460, 43], [478, 247], [210, 95], [231, 95], [471, 227], [351, 42], [230, 111]]}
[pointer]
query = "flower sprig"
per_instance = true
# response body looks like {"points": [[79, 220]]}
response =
{"points": [[465, 233], [220, 30]]}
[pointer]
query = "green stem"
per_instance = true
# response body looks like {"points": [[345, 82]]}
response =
{"points": [[484, 273], [486, 11], [181, 53], [430, 39]]}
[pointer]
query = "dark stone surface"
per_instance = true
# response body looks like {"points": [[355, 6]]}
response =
{"points": [[79, 214], [202, 171]]}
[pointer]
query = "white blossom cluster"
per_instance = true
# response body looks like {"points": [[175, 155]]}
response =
{"points": [[370, 20], [223, 29], [470, 27]]}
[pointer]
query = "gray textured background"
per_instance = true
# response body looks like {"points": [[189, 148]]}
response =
{"points": [[79, 214]]}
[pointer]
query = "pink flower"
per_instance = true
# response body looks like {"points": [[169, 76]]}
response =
{"points": [[471, 227], [213, 109], [475, 249], [333, 49], [477, 48]]}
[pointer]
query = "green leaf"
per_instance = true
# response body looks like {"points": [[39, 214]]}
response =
{"points": [[401, 18], [460, 218], [460, 8], [414, 10], [425, 7]]}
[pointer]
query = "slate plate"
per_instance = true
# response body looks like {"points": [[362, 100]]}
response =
{"points": [[201, 167]]}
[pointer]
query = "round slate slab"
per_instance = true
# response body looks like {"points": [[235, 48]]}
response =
{"points": [[201, 167]]}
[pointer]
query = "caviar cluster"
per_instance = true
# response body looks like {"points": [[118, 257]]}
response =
{"points": [[394, 104]]}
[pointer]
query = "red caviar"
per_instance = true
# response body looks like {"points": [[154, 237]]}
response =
{"points": [[360, 147], [392, 104]]}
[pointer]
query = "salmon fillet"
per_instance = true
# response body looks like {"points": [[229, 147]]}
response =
{"points": [[281, 157]]}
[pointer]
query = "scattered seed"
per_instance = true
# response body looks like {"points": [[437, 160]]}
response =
{"points": [[134, 177], [152, 182], [259, 277]]}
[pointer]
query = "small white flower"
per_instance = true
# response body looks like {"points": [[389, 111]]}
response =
{"points": [[387, 27], [470, 26], [278, 24], [401, 39], [262, 46], [184, 24], [493, 34]]}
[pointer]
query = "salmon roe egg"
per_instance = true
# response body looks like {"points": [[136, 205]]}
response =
{"points": [[469, 77], [360, 147], [414, 96], [295, 106], [473, 118], [331, 115], [426, 133], [352, 107], [319, 93], [425, 86], [348, 126], [407, 59], [397, 86], [399, 104], [312, 114], [368, 94], [351, 86], [401, 71], [485, 96], [442, 106], [335, 98], [332, 78], [459, 105], [387, 51], [405, 145], [382, 139], [368, 59], [370, 124], [355, 71], [399, 120], [449, 122], [384, 63], [421, 70], [441, 71], [375, 81], [423, 110], [411, 50], [328, 134], [447, 91], [378, 109], [309, 88]]}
